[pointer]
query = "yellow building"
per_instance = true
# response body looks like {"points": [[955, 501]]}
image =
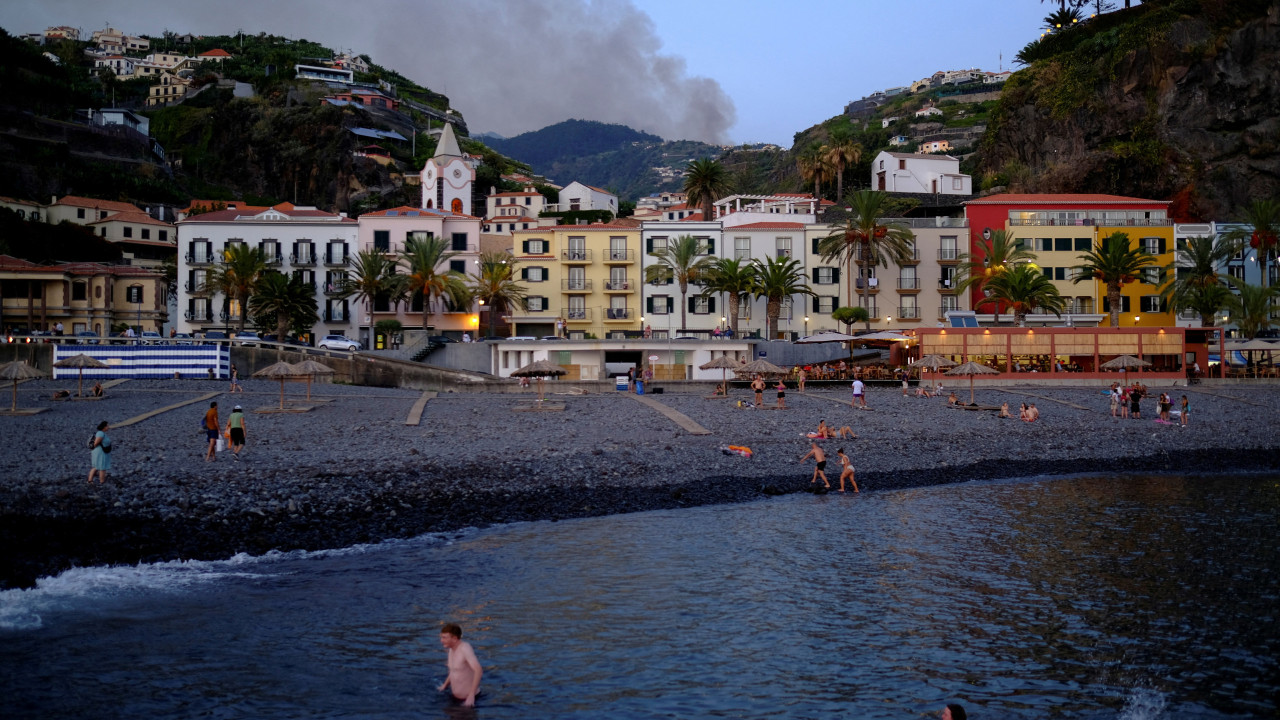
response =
{"points": [[81, 296], [1141, 302], [587, 276]]}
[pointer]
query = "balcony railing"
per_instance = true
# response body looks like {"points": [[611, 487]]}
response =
{"points": [[912, 256], [229, 317], [333, 288], [1090, 222], [463, 248], [948, 254], [578, 314], [272, 259], [576, 255], [873, 284], [199, 258], [198, 315], [619, 285], [335, 258], [335, 316], [909, 313], [908, 283], [620, 255], [578, 284], [302, 258], [618, 313], [195, 287], [946, 285]]}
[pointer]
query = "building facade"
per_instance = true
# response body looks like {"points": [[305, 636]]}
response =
{"points": [[894, 172], [447, 178], [81, 296]]}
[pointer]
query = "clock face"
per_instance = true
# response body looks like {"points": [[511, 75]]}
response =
{"points": [[457, 173], [986, 233]]}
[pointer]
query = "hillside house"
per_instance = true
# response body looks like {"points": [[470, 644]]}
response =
{"points": [[915, 173], [577, 196]]}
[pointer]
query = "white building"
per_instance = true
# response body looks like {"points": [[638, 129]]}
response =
{"points": [[577, 196], [914, 173], [302, 241], [447, 177], [508, 211]]}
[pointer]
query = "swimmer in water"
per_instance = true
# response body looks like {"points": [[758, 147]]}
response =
{"points": [[464, 667]]}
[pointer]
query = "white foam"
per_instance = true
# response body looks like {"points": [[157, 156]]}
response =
{"points": [[1144, 703]]}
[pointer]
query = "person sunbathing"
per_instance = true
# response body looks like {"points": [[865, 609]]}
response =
{"points": [[952, 400], [1004, 410], [1022, 412], [97, 389], [827, 432], [922, 391], [1032, 413]]}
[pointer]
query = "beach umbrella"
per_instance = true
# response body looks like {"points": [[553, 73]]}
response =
{"points": [[725, 363], [311, 368], [972, 368], [933, 363], [1251, 347], [826, 336], [763, 367], [15, 371], [540, 369], [80, 361], [884, 335], [279, 371], [1124, 362]]}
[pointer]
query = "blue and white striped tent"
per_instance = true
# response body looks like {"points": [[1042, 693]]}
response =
{"points": [[146, 361]]}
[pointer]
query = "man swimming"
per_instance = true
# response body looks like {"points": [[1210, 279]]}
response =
{"points": [[464, 667]]}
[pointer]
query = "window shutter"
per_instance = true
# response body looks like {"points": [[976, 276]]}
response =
{"points": [[524, 272], [649, 306], [711, 304], [711, 246], [835, 275], [815, 275], [524, 247], [815, 245], [691, 304], [1161, 246], [648, 244], [671, 304], [816, 303]]}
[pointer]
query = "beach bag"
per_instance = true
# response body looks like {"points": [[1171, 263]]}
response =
{"points": [[91, 439], [222, 444]]}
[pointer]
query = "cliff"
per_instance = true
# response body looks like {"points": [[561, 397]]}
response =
{"points": [[1172, 100]]}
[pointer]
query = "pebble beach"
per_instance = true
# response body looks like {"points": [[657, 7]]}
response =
{"points": [[350, 470]]}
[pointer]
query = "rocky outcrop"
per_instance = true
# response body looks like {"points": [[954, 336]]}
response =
{"points": [[1180, 101]]}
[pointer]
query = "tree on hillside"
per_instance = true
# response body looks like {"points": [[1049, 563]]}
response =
{"points": [[495, 285], [996, 254], [814, 165], [1263, 217], [683, 261], [1194, 283], [866, 241], [1114, 264], [236, 277], [841, 153], [1023, 288], [423, 256], [705, 181], [734, 279], [777, 278]]}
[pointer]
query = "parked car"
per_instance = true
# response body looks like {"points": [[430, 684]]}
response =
{"points": [[440, 339], [181, 339], [214, 335], [339, 342], [88, 337], [151, 338], [248, 338], [553, 337]]}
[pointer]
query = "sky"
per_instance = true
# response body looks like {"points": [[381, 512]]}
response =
{"points": [[720, 71]]}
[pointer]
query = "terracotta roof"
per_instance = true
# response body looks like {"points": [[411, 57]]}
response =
{"points": [[132, 217], [16, 201], [1062, 199], [406, 211], [767, 226], [216, 52], [77, 201], [13, 264], [514, 194]]}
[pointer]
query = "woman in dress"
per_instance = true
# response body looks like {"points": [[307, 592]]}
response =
{"points": [[100, 455]]}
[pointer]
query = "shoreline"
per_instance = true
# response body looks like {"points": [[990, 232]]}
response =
{"points": [[474, 463]]}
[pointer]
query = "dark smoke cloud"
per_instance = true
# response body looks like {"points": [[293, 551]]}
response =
{"points": [[508, 66]]}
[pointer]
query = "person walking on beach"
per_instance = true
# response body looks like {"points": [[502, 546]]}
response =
{"points": [[235, 429], [757, 385], [801, 377], [211, 426], [465, 672], [820, 460], [235, 379], [1186, 411], [846, 470], [100, 453], [858, 396]]}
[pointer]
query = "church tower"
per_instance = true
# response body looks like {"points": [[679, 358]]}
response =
{"points": [[447, 177]]}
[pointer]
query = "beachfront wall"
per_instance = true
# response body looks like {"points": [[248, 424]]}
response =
{"points": [[596, 360], [1071, 353], [146, 361]]}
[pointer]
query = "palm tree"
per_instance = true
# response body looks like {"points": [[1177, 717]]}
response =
{"points": [[495, 285], [1251, 309], [705, 182], [1264, 217], [777, 278], [998, 253], [867, 241], [423, 256], [287, 301], [842, 153], [1114, 264], [1024, 288], [683, 262], [813, 165], [371, 277], [237, 276], [1195, 281], [733, 278]]}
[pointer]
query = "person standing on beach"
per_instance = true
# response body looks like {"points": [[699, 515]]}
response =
{"points": [[1115, 398], [801, 377], [1135, 410], [846, 470], [782, 395], [1186, 411], [858, 397], [819, 469], [235, 379], [235, 429], [757, 385], [100, 454], [464, 667], [211, 426]]}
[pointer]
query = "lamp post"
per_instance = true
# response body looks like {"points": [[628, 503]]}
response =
{"points": [[806, 325], [1136, 318]]}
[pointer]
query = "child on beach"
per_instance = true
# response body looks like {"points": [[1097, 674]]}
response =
{"points": [[1186, 411], [846, 470], [820, 460]]}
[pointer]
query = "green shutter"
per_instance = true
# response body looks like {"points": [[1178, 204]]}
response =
{"points": [[524, 273], [648, 244], [815, 245], [565, 357], [678, 358], [711, 246], [671, 304], [525, 247], [649, 306]]}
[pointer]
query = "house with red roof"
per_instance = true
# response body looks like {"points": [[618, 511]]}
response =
{"points": [[80, 296], [217, 55]]}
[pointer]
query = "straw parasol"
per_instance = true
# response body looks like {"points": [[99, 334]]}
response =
{"points": [[279, 371], [763, 367], [972, 368], [15, 371], [826, 336], [540, 369], [1124, 362], [80, 361], [1252, 346], [933, 363], [725, 363], [311, 368]]}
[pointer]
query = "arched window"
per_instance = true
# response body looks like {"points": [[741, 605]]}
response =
{"points": [[456, 205], [430, 204]]}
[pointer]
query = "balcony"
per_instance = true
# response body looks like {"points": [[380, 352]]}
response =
{"points": [[575, 284], [195, 287], [619, 285], [335, 258], [200, 258], [334, 288], [335, 316], [272, 259], [946, 286], [302, 258], [908, 313], [908, 284], [871, 286], [576, 255], [578, 315], [620, 255], [912, 257], [616, 314], [198, 315], [229, 317], [948, 255]]}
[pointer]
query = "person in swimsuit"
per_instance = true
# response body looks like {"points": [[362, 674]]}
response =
{"points": [[954, 711], [757, 385], [819, 470], [235, 379], [1004, 410], [782, 395], [846, 470], [1186, 411], [464, 667]]}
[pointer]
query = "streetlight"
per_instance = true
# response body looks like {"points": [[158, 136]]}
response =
{"points": [[806, 326], [1136, 318]]}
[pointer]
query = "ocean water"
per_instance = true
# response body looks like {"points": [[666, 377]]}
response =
{"points": [[1133, 597]]}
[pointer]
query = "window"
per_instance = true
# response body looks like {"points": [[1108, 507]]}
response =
{"points": [[948, 279], [1153, 245], [957, 184], [1153, 304], [1124, 304], [902, 164], [1084, 244], [536, 303], [744, 309], [824, 304], [785, 313], [528, 201], [658, 245], [947, 251], [577, 279], [128, 231], [907, 279], [706, 246], [618, 278], [1062, 244], [825, 276], [783, 245], [459, 242], [699, 305], [1151, 276], [908, 308], [1236, 272], [79, 213], [534, 274], [660, 304], [146, 234], [535, 247], [79, 291], [742, 248], [617, 248], [1042, 244], [949, 302], [458, 266], [133, 294], [337, 253], [382, 240], [577, 248]]}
